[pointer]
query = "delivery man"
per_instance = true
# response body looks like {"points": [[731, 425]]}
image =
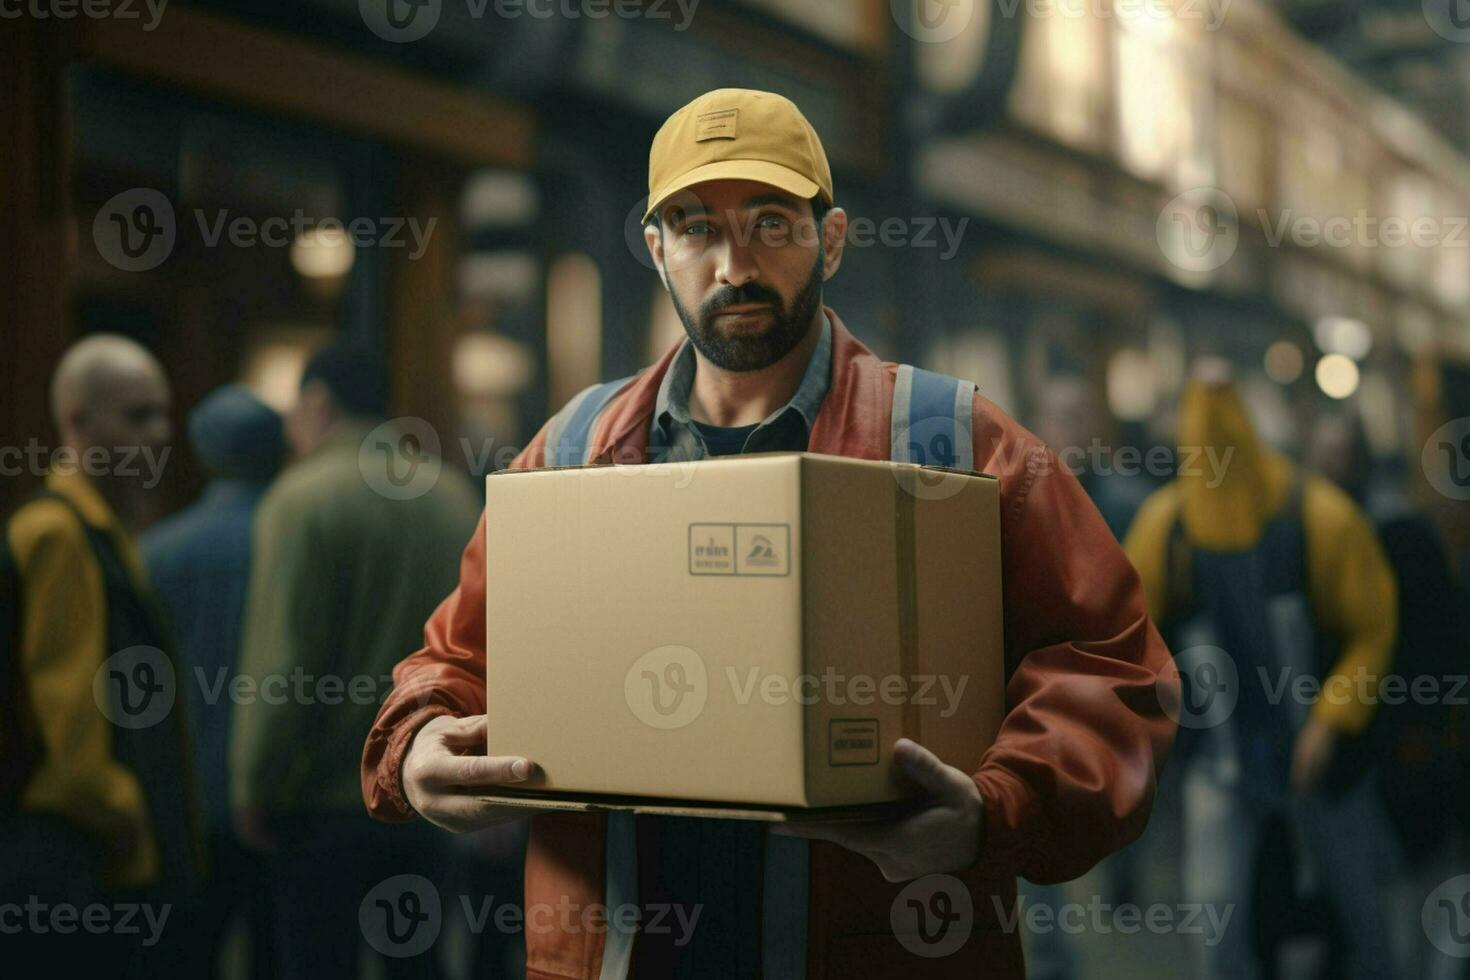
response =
{"points": [[1265, 578], [743, 230]]}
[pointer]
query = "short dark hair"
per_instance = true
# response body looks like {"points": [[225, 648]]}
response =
{"points": [[355, 376], [820, 207]]}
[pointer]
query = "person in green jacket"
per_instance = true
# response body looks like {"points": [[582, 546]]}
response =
{"points": [[354, 546]]}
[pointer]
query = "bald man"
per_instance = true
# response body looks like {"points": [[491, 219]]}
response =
{"points": [[100, 810]]}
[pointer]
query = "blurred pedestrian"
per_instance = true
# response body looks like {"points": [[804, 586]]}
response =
{"points": [[1267, 578], [1421, 744], [97, 807], [351, 555], [199, 563]]}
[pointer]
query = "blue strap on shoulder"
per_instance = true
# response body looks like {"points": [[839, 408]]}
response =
{"points": [[931, 423], [569, 440]]}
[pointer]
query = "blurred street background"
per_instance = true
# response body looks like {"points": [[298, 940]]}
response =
{"points": [[1069, 202]]}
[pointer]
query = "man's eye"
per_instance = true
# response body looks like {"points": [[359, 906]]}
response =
{"points": [[774, 221], [696, 228]]}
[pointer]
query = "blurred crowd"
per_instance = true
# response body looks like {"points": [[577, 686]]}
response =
{"points": [[207, 773]]}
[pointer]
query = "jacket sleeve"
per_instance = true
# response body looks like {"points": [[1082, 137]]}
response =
{"points": [[1354, 598], [1072, 774], [62, 647], [445, 677]]}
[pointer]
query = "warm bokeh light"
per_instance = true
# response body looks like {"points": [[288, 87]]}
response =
{"points": [[1343, 335], [1131, 385], [1284, 362], [322, 253], [1337, 375]]}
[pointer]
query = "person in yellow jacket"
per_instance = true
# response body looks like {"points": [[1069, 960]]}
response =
{"points": [[103, 812], [1280, 607]]}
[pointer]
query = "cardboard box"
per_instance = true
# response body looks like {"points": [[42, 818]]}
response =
{"points": [[746, 635]]}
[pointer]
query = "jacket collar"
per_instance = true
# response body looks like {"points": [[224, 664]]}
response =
{"points": [[87, 499], [853, 420]]}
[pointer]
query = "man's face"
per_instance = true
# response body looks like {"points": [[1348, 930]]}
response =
{"points": [[133, 411], [745, 263], [309, 421]]}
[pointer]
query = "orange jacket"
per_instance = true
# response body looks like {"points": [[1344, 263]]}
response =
{"points": [[1070, 778]]}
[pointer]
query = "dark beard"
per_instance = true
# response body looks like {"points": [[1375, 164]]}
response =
{"points": [[752, 352]]}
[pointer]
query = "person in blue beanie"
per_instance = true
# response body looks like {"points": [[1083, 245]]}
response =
{"points": [[199, 563]]}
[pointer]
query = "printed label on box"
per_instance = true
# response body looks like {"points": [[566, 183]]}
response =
{"points": [[712, 549], [762, 549], [852, 742]]}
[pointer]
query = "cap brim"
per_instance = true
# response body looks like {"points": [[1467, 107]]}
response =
{"points": [[760, 171]]}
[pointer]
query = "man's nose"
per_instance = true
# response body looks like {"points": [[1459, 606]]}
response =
{"points": [[736, 265]]}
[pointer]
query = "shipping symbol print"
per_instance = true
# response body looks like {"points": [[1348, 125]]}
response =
{"points": [[761, 552], [666, 688]]}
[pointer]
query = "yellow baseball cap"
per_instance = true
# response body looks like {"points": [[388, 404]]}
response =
{"points": [[738, 134]]}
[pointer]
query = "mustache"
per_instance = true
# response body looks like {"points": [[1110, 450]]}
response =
{"points": [[748, 294]]}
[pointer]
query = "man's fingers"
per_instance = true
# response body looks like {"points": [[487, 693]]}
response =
{"points": [[464, 731], [488, 770]]}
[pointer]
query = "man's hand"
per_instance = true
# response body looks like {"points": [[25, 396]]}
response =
{"points": [[1315, 745], [446, 768], [941, 838]]}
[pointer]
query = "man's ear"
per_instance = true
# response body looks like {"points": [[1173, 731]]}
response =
{"points": [[834, 240], [654, 239]]}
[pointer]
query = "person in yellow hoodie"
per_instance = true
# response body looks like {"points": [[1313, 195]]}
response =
{"points": [[102, 813], [1280, 607]]}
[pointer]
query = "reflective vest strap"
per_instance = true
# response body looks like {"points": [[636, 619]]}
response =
{"points": [[932, 419], [569, 440], [622, 891]]}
